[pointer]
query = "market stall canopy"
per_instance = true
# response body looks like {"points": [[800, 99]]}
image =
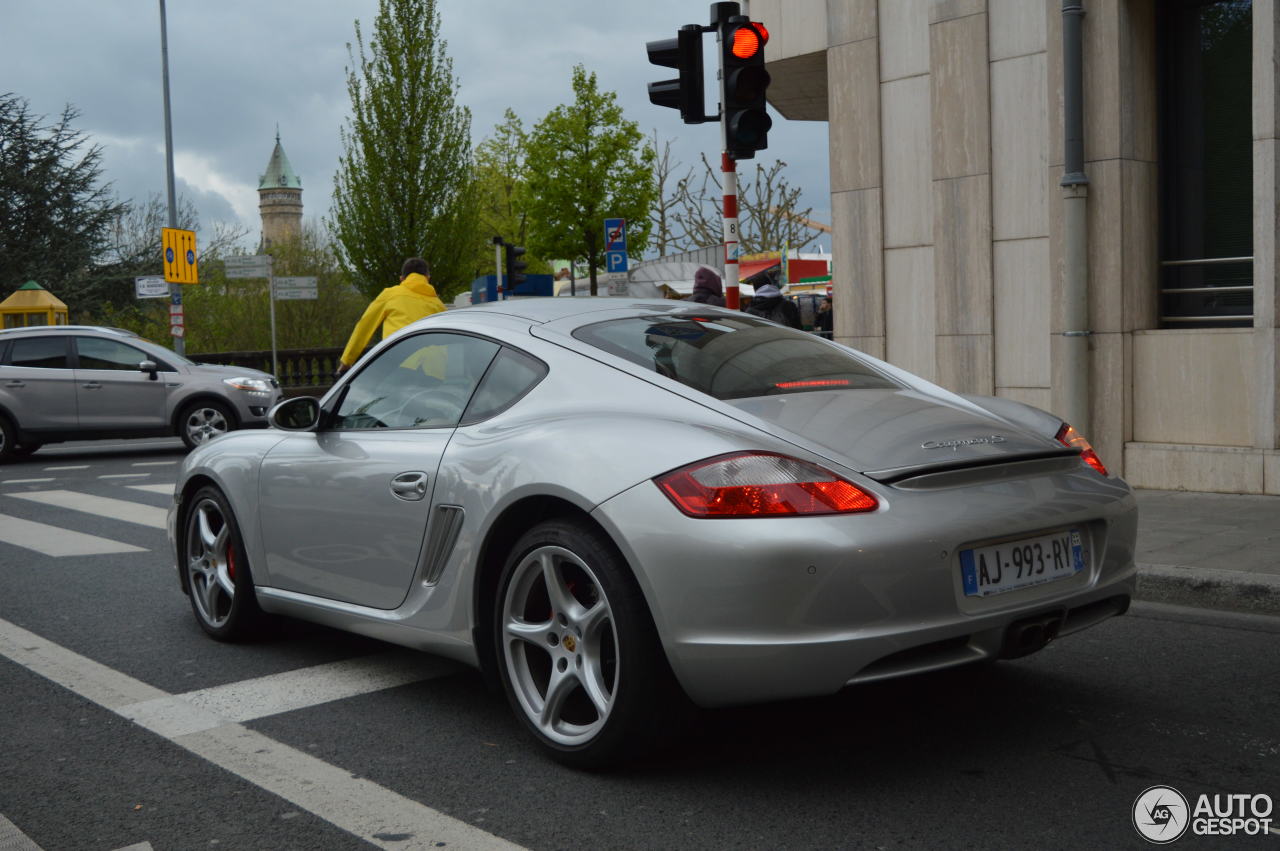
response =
{"points": [[31, 304], [675, 278]]}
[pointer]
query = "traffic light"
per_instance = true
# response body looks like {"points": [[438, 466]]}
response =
{"points": [[515, 266], [745, 82], [684, 53]]}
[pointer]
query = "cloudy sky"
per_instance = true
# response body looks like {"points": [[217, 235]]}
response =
{"points": [[239, 68]]}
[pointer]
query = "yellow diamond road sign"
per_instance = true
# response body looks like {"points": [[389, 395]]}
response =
{"points": [[179, 247]]}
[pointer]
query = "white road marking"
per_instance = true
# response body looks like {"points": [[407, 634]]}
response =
{"points": [[12, 839], [165, 489], [356, 805], [124, 476], [103, 506], [56, 541], [285, 692], [25, 481], [69, 467]]}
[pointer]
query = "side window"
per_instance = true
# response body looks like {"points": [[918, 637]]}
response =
{"points": [[512, 375], [423, 381], [1206, 162], [40, 353], [97, 353]]}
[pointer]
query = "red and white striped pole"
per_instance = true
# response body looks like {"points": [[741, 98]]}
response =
{"points": [[729, 167]]}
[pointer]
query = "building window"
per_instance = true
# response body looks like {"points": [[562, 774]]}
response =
{"points": [[1206, 163]]}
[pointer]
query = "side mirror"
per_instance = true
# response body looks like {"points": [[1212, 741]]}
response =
{"points": [[300, 414], [149, 367]]}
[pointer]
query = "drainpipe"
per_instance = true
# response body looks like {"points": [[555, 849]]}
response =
{"points": [[1075, 195]]}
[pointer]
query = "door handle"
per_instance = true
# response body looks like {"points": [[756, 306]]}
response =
{"points": [[92, 385], [13, 382], [411, 486]]}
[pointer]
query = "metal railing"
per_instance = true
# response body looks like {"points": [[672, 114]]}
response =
{"points": [[302, 372], [1243, 318]]}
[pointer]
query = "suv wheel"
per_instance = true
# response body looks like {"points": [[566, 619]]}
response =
{"points": [[8, 443], [201, 422]]}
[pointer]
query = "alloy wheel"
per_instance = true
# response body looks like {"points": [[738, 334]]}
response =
{"points": [[560, 645], [211, 564], [205, 423]]}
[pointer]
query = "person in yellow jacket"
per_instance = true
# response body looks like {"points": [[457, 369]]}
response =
{"points": [[394, 308]]}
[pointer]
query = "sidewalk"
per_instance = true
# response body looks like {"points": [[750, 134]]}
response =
{"points": [[1211, 550]]}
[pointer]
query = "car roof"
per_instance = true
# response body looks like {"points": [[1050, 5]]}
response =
{"points": [[59, 329], [551, 309]]}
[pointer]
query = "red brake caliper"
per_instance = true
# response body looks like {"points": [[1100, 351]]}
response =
{"points": [[231, 564]]}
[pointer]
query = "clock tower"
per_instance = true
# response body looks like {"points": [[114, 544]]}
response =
{"points": [[279, 200]]}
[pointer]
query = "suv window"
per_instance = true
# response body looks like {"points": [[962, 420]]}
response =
{"points": [[39, 353], [423, 381], [733, 357], [97, 353]]}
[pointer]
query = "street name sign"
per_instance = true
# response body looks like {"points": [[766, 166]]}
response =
{"points": [[294, 289], [151, 286], [250, 266]]}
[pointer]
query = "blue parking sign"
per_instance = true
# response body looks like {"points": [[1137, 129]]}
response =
{"points": [[615, 261]]}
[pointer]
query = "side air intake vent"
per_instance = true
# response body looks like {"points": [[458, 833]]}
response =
{"points": [[444, 535]]}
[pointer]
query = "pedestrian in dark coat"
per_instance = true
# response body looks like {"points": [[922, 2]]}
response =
{"points": [[824, 318], [770, 303], [707, 288]]}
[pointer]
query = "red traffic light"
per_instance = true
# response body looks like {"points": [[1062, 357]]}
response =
{"points": [[748, 39], [746, 42]]}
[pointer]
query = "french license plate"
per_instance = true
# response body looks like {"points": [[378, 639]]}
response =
{"points": [[1021, 564]]}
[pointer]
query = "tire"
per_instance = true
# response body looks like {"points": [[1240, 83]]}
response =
{"points": [[219, 582], [577, 651], [8, 441], [201, 422]]}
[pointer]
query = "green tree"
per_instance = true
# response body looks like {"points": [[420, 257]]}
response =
{"points": [[56, 215], [404, 186], [585, 163], [500, 162]]}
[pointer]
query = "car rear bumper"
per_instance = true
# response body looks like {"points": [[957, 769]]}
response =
{"points": [[760, 609]]}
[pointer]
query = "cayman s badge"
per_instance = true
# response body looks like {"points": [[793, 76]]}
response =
{"points": [[954, 445]]}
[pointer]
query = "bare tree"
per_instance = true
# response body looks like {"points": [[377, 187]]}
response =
{"points": [[666, 239], [769, 212]]}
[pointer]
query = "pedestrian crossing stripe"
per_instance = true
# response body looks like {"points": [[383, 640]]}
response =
{"points": [[56, 541], [164, 489], [103, 506]]}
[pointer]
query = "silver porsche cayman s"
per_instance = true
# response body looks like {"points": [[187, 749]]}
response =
{"points": [[618, 508]]}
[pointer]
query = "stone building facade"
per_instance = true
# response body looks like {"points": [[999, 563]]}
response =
{"points": [[947, 154]]}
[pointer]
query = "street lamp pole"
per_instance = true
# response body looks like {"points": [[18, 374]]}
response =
{"points": [[175, 290]]}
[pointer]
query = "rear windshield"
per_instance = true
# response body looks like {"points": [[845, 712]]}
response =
{"points": [[732, 357]]}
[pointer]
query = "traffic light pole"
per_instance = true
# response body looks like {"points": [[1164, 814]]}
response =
{"points": [[497, 265], [729, 167], [744, 119]]}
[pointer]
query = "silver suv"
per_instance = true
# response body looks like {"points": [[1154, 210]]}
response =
{"points": [[74, 382]]}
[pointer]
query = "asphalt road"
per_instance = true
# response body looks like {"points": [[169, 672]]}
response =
{"points": [[121, 724]]}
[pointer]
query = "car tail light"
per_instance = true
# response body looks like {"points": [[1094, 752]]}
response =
{"points": [[761, 484], [1068, 436]]}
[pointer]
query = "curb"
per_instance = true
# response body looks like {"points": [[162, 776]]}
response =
{"points": [[1207, 588]]}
